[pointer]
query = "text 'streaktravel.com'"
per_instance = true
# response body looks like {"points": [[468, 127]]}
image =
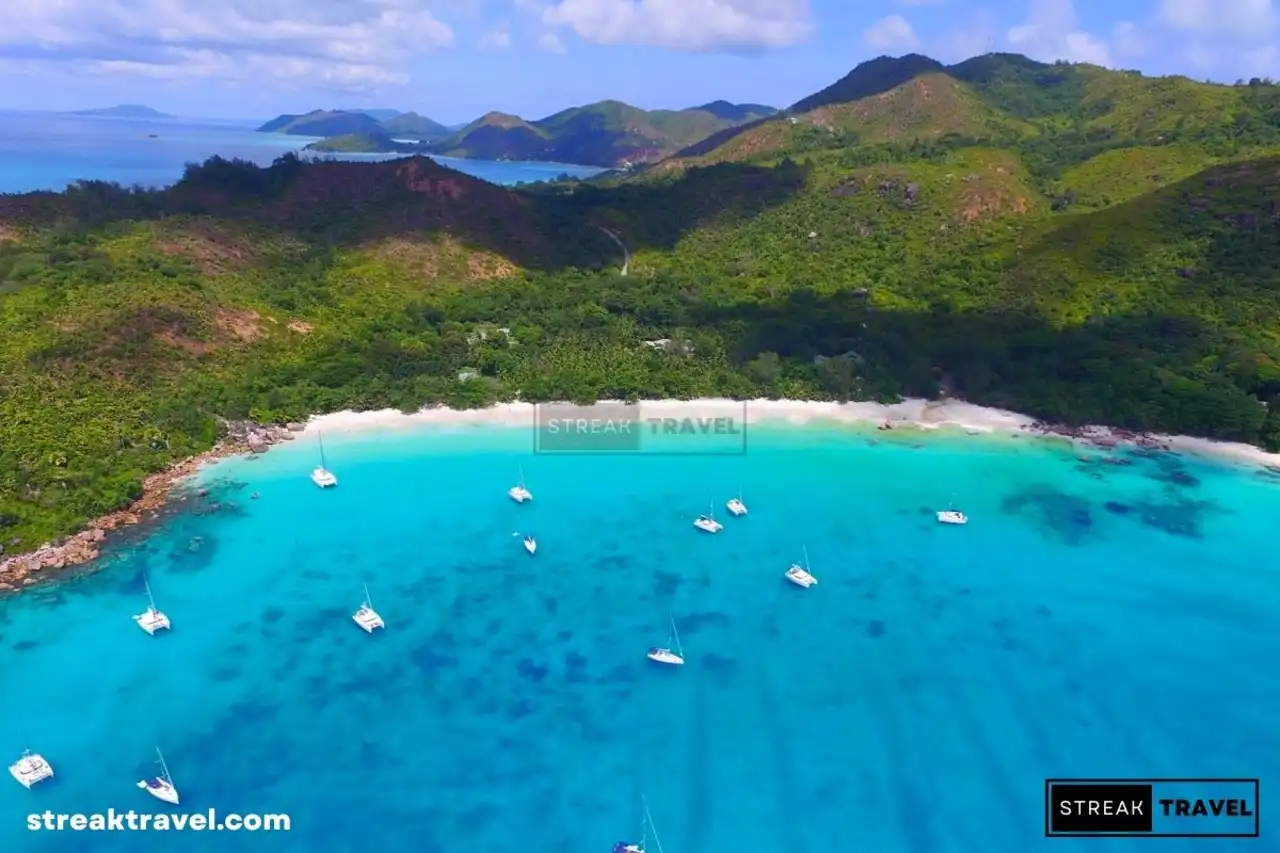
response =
{"points": [[1163, 808], [718, 429]]}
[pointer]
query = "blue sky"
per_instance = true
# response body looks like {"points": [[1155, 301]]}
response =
{"points": [[455, 59]]}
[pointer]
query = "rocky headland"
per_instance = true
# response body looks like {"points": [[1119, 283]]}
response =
{"points": [[239, 438]]}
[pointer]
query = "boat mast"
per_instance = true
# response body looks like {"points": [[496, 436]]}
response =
{"points": [[367, 602], [522, 476], [164, 768], [320, 438], [675, 634], [805, 548], [151, 598], [649, 827]]}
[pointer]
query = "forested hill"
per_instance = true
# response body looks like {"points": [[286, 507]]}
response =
{"points": [[1120, 267], [606, 134]]}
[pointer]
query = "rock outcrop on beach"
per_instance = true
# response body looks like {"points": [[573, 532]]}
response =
{"points": [[1102, 436], [241, 437]]}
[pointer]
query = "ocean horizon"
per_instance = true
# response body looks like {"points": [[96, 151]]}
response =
{"points": [[1093, 619], [48, 151]]}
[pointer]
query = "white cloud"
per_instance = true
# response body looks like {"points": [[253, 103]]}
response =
{"points": [[695, 25], [551, 43], [498, 38], [891, 33], [1128, 41], [1050, 33], [1243, 19], [343, 44]]}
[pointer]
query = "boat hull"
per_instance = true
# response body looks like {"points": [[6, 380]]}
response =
{"points": [[665, 656], [152, 621], [164, 793], [323, 478], [708, 526], [803, 580], [531, 547], [952, 518], [27, 773]]}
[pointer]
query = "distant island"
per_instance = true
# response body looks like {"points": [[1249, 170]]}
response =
{"points": [[609, 134], [123, 111], [372, 142]]}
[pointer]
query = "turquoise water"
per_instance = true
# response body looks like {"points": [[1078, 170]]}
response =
{"points": [[47, 151], [914, 701]]}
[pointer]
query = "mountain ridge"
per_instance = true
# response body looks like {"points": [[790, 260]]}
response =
{"points": [[607, 133]]}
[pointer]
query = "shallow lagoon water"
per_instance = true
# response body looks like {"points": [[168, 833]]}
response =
{"points": [[1090, 621]]}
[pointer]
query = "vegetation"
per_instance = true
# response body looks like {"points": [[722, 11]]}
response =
{"points": [[607, 134], [323, 123], [413, 126], [1081, 245], [376, 142]]}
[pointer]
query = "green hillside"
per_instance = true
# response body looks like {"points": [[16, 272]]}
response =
{"points": [[364, 143], [1068, 249], [413, 126], [608, 133], [323, 123]]}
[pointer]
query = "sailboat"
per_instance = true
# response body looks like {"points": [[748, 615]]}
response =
{"points": [[161, 787], [366, 617], [30, 768], [800, 575], [531, 544], [736, 506], [665, 655], [952, 516], [518, 492], [708, 522], [151, 619], [646, 829], [322, 476]]}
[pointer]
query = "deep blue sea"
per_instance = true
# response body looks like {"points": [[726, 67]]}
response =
{"points": [[1091, 620], [47, 151]]}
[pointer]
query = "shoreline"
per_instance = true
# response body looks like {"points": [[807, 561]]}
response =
{"points": [[18, 571], [247, 437]]}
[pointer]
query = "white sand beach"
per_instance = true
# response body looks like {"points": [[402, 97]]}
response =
{"points": [[913, 413]]}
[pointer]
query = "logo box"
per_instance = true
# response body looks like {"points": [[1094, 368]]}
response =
{"points": [[612, 428], [1161, 808]]}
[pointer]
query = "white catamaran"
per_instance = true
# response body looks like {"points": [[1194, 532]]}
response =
{"points": [[518, 492], [663, 654], [736, 505], [708, 522], [322, 476], [30, 768], [151, 619], [366, 617], [800, 575], [161, 787]]}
